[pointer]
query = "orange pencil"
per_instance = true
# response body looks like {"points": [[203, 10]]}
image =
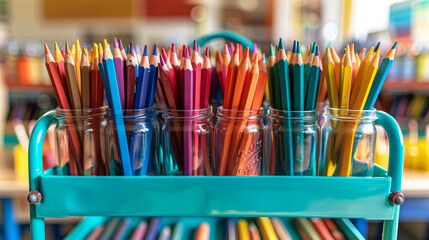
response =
{"points": [[202, 232]]}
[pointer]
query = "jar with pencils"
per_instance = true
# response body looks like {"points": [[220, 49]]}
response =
{"points": [[142, 135], [292, 142], [188, 142], [79, 139], [239, 142], [348, 142]]}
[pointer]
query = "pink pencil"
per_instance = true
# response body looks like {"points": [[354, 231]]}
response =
{"points": [[188, 82], [96, 233], [140, 231]]}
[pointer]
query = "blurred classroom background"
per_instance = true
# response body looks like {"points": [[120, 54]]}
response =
{"points": [[25, 91]]}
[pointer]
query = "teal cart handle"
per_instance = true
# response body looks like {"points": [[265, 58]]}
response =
{"points": [[35, 169], [226, 35], [396, 148], [396, 162]]}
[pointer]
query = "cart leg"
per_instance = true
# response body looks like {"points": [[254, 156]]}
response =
{"points": [[11, 227], [37, 225], [390, 228]]}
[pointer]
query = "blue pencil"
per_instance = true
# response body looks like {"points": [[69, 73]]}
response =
{"points": [[379, 78], [153, 77], [112, 89], [142, 82], [152, 231]]}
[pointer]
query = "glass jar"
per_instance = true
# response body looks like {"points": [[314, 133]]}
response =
{"points": [[239, 142], [142, 130], [348, 142], [292, 142], [188, 142], [79, 141]]}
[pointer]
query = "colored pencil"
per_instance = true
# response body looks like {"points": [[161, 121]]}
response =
{"points": [[165, 233], [321, 229], [188, 104], [142, 85], [177, 231], [266, 228], [243, 230], [152, 230], [334, 230], [313, 83], [254, 232], [85, 80], [202, 232], [109, 229], [206, 73], [139, 231], [111, 83], [72, 80], [280, 229], [122, 229], [77, 58], [96, 233], [97, 91], [119, 70], [130, 78]]}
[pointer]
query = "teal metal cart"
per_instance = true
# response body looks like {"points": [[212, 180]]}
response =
{"points": [[371, 198]]}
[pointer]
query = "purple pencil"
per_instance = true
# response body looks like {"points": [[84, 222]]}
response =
{"points": [[152, 231], [139, 232], [121, 229], [119, 67], [232, 48], [188, 82]]}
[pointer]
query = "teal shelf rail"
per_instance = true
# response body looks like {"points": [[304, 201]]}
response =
{"points": [[376, 197]]}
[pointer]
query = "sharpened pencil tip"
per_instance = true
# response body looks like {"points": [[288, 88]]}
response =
{"points": [[56, 47], [317, 51], [67, 49], [173, 48], [281, 44], [161, 60], [105, 43], [207, 52], [187, 54], [131, 51], [298, 48], [294, 46], [394, 45], [246, 53], [255, 48], [376, 47], [271, 50], [145, 51], [313, 50], [47, 49], [77, 44], [121, 46], [115, 43], [195, 45], [155, 50]]}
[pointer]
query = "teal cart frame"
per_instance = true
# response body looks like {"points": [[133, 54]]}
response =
{"points": [[371, 198]]}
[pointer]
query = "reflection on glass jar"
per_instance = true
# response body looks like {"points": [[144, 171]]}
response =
{"points": [[239, 142], [142, 131], [79, 140], [292, 142], [348, 142], [188, 142]]}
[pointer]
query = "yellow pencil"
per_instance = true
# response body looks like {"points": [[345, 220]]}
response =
{"points": [[78, 57], [266, 228], [366, 84], [330, 80], [243, 230], [345, 81], [73, 52], [359, 77]]}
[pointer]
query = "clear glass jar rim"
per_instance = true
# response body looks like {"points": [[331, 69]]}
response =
{"points": [[293, 115], [133, 113], [80, 113], [260, 111], [348, 114], [193, 113]]}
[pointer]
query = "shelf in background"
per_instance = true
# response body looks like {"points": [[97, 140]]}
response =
{"points": [[19, 87], [406, 86]]}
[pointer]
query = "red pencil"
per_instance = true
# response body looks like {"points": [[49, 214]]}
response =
{"points": [[196, 65], [206, 73], [131, 78], [172, 78], [97, 95], [59, 59], [175, 64]]}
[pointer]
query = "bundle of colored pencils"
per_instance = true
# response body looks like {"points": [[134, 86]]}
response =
{"points": [[185, 86], [353, 83], [244, 88], [77, 85], [294, 85]]}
